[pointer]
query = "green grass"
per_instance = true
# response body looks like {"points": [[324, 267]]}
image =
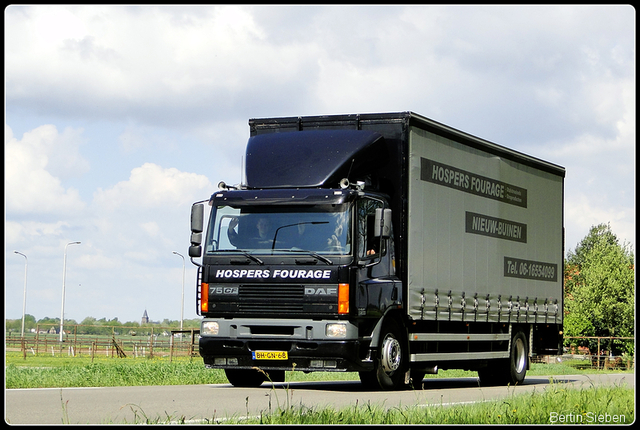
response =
{"points": [[587, 405], [553, 404], [44, 371], [111, 373]]}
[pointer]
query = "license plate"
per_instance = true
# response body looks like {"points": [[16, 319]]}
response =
{"points": [[270, 355]]}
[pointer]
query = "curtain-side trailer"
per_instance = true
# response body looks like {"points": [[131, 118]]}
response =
{"points": [[387, 244]]}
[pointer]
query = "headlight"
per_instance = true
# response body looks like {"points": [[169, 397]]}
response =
{"points": [[336, 330], [210, 328]]}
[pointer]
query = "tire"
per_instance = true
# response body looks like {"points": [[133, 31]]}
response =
{"points": [[416, 379], [493, 374], [508, 371], [518, 359], [391, 360], [369, 380], [246, 378]]}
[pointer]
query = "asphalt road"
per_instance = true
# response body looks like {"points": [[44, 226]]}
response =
{"points": [[194, 403]]}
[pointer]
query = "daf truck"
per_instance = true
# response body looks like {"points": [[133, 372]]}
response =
{"points": [[385, 244]]}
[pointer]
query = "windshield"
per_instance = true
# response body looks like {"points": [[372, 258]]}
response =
{"points": [[322, 229]]}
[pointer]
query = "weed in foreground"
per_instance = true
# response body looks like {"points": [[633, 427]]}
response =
{"points": [[554, 404]]}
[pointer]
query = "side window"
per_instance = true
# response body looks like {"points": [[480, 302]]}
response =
{"points": [[222, 221], [368, 244]]}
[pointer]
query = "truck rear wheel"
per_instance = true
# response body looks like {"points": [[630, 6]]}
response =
{"points": [[518, 357], [390, 362], [508, 371]]}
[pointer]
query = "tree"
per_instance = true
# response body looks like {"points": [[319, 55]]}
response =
{"points": [[88, 326], [599, 288]]}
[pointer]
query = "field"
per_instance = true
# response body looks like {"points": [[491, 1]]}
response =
{"points": [[586, 405]]}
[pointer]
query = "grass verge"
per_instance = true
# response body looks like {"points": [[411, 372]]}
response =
{"points": [[601, 405], [554, 405], [53, 372]]}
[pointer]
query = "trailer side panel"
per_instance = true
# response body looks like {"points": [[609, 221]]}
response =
{"points": [[485, 235]]}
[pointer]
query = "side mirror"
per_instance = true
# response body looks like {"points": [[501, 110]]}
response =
{"points": [[383, 220], [197, 222], [197, 218], [195, 251]]}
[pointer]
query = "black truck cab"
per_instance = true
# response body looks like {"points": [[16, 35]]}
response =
{"points": [[290, 277]]}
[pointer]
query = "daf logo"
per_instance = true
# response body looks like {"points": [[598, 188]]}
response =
{"points": [[320, 291]]}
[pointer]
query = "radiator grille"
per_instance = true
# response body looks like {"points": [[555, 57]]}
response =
{"points": [[271, 299]]}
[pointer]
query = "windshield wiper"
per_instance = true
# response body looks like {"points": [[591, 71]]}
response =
{"points": [[319, 257], [311, 253], [252, 257]]}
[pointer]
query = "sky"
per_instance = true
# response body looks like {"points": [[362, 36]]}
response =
{"points": [[118, 118]]}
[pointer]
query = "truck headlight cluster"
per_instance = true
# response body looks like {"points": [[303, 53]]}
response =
{"points": [[210, 328], [337, 330]]}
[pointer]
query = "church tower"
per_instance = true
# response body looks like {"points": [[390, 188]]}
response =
{"points": [[145, 318]]}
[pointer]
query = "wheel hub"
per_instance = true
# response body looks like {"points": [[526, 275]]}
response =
{"points": [[390, 354], [520, 356]]}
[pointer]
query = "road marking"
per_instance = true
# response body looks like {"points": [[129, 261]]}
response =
{"points": [[59, 388], [454, 403]]}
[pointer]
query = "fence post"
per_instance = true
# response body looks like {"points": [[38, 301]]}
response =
{"points": [[151, 345], [37, 335], [171, 348]]}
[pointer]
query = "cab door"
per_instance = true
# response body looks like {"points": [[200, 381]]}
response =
{"points": [[378, 287]]}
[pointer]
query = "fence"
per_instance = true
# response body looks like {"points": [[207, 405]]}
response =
{"points": [[137, 342], [602, 359]]}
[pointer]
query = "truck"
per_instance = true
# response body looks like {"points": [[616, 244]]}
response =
{"points": [[386, 244]]}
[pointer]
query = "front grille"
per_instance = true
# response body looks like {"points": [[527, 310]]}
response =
{"points": [[270, 299]]}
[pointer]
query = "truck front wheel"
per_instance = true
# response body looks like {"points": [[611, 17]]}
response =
{"points": [[391, 360], [247, 378]]}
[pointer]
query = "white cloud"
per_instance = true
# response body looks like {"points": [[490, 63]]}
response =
{"points": [[152, 62], [152, 187], [583, 212], [30, 183], [151, 228], [55, 25], [32, 231], [141, 220]]}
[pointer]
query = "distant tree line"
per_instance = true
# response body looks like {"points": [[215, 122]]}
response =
{"points": [[91, 325]]}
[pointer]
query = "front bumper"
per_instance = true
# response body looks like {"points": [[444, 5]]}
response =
{"points": [[308, 348]]}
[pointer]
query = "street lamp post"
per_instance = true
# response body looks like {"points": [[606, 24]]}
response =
{"points": [[182, 304], [24, 297], [64, 275]]}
